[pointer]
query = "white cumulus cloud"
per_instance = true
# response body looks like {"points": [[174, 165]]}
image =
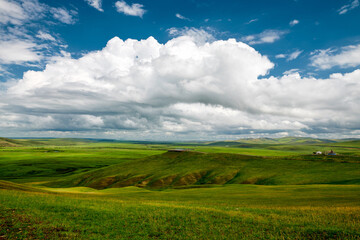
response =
{"points": [[134, 9], [182, 88]]}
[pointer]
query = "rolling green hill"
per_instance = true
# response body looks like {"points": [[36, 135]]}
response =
{"points": [[179, 169]]}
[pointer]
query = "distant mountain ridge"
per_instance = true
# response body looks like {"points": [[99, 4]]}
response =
{"points": [[283, 140], [8, 142]]}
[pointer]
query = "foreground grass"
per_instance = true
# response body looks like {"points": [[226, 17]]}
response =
{"points": [[231, 212], [208, 194]]}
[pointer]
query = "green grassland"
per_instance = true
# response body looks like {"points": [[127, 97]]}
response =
{"points": [[245, 189]]}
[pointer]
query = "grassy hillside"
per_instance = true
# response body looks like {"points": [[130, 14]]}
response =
{"points": [[176, 169], [43, 163], [72, 162]]}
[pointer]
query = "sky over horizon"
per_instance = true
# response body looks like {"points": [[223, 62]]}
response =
{"points": [[179, 70]]}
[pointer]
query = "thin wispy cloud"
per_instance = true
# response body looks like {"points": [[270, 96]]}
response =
{"points": [[348, 7], [252, 20], [11, 12], [289, 57], [17, 13], [45, 36], [25, 41], [197, 34], [96, 4], [281, 55], [178, 15], [294, 55], [64, 15], [294, 22], [291, 71], [267, 36], [18, 51], [134, 9], [3, 72], [348, 56]]}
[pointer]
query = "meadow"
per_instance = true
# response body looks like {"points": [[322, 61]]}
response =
{"points": [[246, 189]]}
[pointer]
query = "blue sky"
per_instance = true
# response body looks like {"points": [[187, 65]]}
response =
{"points": [[296, 42], [320, 26]]}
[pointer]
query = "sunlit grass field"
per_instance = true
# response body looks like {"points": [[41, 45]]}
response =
{"points": [[266, 189], [230, 212]]}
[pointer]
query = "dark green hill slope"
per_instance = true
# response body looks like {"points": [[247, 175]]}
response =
{"points": [[19, 187], [178, 169], [6, 142]]}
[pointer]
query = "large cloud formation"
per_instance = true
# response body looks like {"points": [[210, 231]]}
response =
{"points": [[181, 89]]}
